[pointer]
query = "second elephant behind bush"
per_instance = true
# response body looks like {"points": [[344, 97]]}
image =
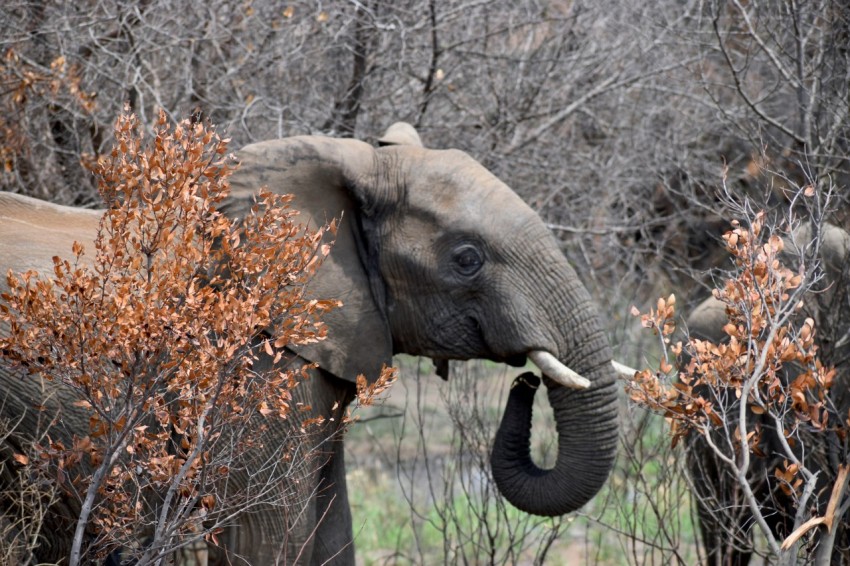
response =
{"points": [[725, 518]]}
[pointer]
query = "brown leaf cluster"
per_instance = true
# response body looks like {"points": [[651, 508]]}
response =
{"points": [[369, 393], [754, 297], [157, 330]]}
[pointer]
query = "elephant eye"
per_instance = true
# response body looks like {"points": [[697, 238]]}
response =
{"points": [[467, 260]]}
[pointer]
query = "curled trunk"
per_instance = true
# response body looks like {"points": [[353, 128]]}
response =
{"points": [[586, 422]]}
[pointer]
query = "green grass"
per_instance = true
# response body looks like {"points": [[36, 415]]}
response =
{"points": [[448, 531], [381, 517]]}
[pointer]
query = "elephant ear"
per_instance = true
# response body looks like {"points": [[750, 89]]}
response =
{"points": [[321, 174], [400, 133]]}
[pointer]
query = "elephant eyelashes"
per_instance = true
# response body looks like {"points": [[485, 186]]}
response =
{"points": [[467, 260]]}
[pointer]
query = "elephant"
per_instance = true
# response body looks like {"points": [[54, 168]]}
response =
{"points": [[434, 256], [725, 520]]}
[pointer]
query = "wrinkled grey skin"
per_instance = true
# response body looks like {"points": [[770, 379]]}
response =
{"points": [[716, 489], [434, 257]]}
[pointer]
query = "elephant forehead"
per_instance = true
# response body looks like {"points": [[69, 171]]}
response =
{"points": [[469, 199]]}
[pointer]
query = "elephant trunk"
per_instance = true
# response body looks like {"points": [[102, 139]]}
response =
{"points": [[586, 423]]}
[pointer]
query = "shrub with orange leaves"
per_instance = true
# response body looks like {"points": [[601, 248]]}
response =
{"points": [[762, 339], [767, 363], [157, 330]]}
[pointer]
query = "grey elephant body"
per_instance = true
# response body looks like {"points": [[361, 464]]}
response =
{"points": [[434, 256], [725, 519], [29, 233]]}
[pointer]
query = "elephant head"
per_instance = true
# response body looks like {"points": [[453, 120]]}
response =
{"points": [[437, 257], [833, 248]]}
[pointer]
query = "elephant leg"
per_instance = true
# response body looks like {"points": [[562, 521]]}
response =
{"points": [[321, 531], [275, 534], [720, 546], [334, 543], [722, 513], [310, 523]]}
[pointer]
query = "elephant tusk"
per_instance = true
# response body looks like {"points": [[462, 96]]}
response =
{"points": [[623, 370], [558, 372]]}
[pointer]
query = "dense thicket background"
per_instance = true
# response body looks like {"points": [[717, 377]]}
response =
{"points": [[616, 121], [613, 119]]}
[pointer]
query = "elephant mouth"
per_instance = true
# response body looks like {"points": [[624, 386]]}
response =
{"points": [[441, 365], [549, 366]]}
